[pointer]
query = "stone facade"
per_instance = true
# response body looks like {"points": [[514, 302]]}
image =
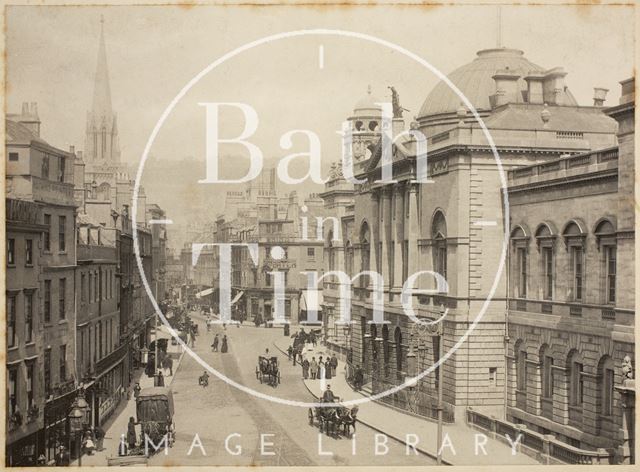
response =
{"points": [[572, 298]]}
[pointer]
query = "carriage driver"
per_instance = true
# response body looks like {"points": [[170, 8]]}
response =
{"points": [[327, 396]]}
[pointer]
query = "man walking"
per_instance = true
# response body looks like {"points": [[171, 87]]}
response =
{"points": [[334, 365], [305, 369], [214, 345], [314, 368]]}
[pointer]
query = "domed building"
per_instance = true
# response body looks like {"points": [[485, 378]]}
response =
{"points": [[454, 225]]}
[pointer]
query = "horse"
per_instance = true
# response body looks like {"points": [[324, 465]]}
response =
{"points": [[348, 420]]}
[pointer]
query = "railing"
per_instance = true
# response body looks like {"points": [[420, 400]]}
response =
{"points": [[545, 448], [622, 316]]}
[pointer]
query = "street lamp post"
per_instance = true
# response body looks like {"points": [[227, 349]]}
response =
{"points": [[77, 417]]}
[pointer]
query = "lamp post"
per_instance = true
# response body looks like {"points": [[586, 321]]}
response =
{"points": [[77, 417]]}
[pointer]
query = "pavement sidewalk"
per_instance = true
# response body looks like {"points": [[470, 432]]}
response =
{"points": [[116, 425], [409, 428]]}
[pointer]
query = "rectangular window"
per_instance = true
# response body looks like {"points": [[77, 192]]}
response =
{"points": [[63, 362], [47, 301], [267, 279], [493, 376], [14, 156], [45, 167], [577, 384], [311, 252], [578, 269], [62, 223], [83, 287], [61, 164], [610, 254], [47, 233], [11, 251], [405, 259], [13, 390], [522, 371], [28, 253], [11, 321], [47, 372], [28, 317], [547, 261], [547, 373], [522, 272], [62, 299], [607, 393], [30, 384]]}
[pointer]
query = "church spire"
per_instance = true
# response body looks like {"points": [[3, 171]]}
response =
{"points": [[102, 89], [101, 139]]}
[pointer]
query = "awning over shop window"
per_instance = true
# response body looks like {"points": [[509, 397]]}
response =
{"points": [[204, 293], [236, 298], [311, 299]]}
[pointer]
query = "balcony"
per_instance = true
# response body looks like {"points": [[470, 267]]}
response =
{"points": [[92, 252], [26, 187]]}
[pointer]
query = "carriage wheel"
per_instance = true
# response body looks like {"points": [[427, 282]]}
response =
{"points": [[278, 377], [260, 377], [310, 415], [257, 373]]}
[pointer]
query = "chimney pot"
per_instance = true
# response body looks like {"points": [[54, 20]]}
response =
{"points": [[599, 96], [34, 109], [72, 149], [25, 109]]}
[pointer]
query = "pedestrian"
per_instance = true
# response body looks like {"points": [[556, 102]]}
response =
{"points": [[289, 351], [88, 445], [42, 460], [131, 433], [305, 369], [99, 439], [313, 368], [224, 347], [214, 345], [327, 369], [359, 377], [136, 390], [168, 365], [334, 365], [159, 379], [62, 457], [321, 368], [295, 355]]}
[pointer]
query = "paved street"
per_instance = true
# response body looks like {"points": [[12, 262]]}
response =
{"points": [[218, 411]]}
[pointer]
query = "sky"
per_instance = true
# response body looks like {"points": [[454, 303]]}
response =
{"points": [[154, 51]]}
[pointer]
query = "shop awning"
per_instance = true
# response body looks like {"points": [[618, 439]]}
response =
{"points": [[311, 299], [204, 293], [237, 297]]}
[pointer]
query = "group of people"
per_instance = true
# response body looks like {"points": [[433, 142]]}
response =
{"points": [[92, 440], [316, 369], [216, 341]]}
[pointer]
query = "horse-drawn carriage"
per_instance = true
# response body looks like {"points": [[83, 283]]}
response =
{"points": [[268, 370], [334, 419], [154, 409]]}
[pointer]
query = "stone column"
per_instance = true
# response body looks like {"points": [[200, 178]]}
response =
{"points": [[413, 228], [385, 230], [398, 231]]}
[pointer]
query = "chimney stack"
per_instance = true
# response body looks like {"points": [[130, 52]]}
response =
{"points": [[628, 91], [29, 117], [506, 87], [554, 85], [599, 96], [535, 92], [72, 149]]}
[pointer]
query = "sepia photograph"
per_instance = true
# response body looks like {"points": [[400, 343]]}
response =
{"points": [[333, 235]]}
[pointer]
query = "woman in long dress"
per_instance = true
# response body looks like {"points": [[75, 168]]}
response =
{"points": [[224, 347]]}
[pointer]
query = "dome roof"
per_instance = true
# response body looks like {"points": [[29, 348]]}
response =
{"points": [[366, 106], [475, 81]]}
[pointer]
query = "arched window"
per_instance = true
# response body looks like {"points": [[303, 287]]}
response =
{"points": [[365, 249], [606, 237], [520, 243], [349, 259], [545, 239], [521, 366], [546, 372], [439, 235], [606, 379], [397, 335], [576, 381], [574, 235]]}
